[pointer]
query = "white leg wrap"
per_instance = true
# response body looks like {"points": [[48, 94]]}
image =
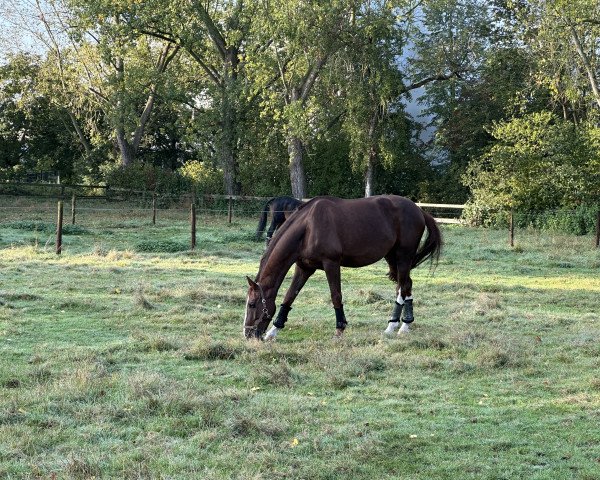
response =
{"points": [[401, 300], [272, 333], [404, 328], [392, 327]]}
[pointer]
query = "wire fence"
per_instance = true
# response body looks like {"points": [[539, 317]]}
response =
{"points": [[38, 217]]}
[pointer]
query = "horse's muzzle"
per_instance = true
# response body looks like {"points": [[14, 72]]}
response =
{"points": [[252, 332]]}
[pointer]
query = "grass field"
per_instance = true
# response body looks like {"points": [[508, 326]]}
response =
{"points": [[123, 358]]}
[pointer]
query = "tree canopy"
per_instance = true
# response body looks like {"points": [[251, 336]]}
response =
{"points": [[309, 97]]}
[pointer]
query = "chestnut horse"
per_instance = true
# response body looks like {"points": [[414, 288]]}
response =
{"points": [[281, 208], [327, 233]]}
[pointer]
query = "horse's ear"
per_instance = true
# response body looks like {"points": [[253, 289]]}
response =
{"points": [[251, 282]]}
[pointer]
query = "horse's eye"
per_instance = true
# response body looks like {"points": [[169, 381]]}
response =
{"points": [[252, 305]]}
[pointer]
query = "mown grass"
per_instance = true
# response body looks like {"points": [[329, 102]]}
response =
{"points": [[121, 363]]}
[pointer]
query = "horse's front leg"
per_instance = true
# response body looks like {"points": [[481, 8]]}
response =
{"points": [[271, 231], [276, 222], [334, 278], [301, 275]]}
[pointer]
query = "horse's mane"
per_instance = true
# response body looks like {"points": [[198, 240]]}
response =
{"points": [[280, 234]]}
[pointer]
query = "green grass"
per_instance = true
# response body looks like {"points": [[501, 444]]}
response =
{"points": [[119, 362]]}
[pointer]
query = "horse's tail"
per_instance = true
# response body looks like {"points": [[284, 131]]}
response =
{"points": [[432, 246], [262, 222]]}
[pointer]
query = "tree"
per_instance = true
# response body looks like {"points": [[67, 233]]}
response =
{"points": [[35, 134], [562, 37], [214, 35], [124, 72], [450, 43], [94, 63], [371, 82], [538, 162], [302, 39]]}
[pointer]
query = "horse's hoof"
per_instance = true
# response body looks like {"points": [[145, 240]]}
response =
{"points": [[339, 333], [391, 328], [271, 335], [404, 329]]}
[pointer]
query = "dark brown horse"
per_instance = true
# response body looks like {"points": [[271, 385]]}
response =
{"points": [[281, 208], [327, 233]]}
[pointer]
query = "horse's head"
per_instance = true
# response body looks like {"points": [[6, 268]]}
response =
{"points": [[259, 311]]}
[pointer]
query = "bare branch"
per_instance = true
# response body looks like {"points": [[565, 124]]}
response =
{"points": [[311, 77]]}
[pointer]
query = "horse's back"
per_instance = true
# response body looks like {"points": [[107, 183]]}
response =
{"points": [[361, 231], [379, 210]]}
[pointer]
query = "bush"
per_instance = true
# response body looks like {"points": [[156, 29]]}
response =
{"points": [[47, 227], [204, 178], [160, 246], [145, 177], [575, 221], [579, 221]]}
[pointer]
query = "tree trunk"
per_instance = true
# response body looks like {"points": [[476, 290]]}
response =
{"points": [[297, 176], [125, 150], [372, 159], [369, 180], [80, 136], [139, 131], [229, 121], [591, 74]]}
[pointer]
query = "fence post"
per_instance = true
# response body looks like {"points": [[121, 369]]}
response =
{"points": [[193, 221], [511, 228], [59, 227], [598, 230], [154, 208], [229, 210], [73, 201]]}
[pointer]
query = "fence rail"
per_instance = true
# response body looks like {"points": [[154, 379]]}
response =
{"points": [[111, 193], [442, 212]]}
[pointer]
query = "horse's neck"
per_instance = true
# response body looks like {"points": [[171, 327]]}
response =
{"points": [[275, 269]]}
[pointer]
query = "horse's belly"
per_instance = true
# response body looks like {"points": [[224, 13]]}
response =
{"points": [[367, 253], [358, 262]]}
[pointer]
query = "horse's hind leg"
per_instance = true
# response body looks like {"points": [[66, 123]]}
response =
{"points": [[403, 306], [276, 221]]}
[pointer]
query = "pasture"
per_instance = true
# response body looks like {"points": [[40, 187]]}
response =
{"points": [[124, 358]]}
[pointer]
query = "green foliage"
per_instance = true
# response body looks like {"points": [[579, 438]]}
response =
{"points": [[538, 162], [330, 172], [34, 131], [580, 220], [204, 178], [193, 176], [145, 177], [160, 246], [46, 227], [252, 85]]}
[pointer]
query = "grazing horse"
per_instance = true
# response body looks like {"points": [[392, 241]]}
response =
{"points": [[281, 208], [327, 233]]}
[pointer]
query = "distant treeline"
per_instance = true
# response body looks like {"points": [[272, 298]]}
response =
{"points": [[309, 98]]}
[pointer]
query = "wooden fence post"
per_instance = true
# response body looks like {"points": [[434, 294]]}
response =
{"points": [[59, 227], [511, 228], [193, 221], [73, 201], [154, 208], [229, 210], [598, 230]]}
